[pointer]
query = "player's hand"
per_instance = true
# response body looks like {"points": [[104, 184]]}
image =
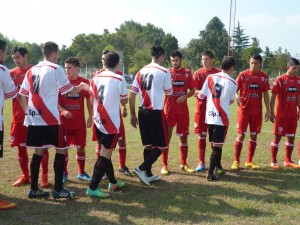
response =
{"points": [[89, 122], [67, 114], [267, 116], [181, 99], [133, 121], [85, 86], [196, 93], [239, 100], [272, 118], [124, 112]]}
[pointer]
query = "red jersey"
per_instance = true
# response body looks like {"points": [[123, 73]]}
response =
{"points": [[182, 80], [251, 87], [18, 76], [287, 89], [199, 78], [75, 104]]}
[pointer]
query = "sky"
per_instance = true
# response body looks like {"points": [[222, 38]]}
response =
{"points": [[275, 23]]}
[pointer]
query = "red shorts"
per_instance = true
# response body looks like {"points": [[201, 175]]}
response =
{"points": [[76, 138], [254, 121], [182, 121], [200, 127], [122, 135], [18, 134], [285, 127]]}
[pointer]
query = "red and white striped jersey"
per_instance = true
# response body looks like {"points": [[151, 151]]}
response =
{"points": [[7, 89], [219, 90], [151, 82], [41, 85], [108, 89]]}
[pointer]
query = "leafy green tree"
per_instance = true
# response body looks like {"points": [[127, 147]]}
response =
{"points": [[248, 52]]}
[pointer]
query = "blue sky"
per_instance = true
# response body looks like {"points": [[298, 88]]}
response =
{"points": [[274, 22]]}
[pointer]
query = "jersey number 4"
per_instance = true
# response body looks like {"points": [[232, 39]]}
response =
{"points": [[146, 81], [101, 93]]}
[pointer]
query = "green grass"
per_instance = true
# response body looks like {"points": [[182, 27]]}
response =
{"points": [[244, 197]]}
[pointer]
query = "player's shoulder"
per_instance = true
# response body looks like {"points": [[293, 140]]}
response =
{"points": [[3, 68]]}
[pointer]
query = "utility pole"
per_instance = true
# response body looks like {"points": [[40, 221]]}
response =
{"points": [[231, 28]]}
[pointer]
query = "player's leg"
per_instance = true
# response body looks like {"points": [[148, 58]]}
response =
{"points": [[122, 150], [278, 131], [200, 128], [44, 164], [242, 124], [171, 122]]}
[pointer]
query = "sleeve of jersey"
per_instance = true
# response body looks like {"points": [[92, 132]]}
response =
{"points": [[168, 84], [276, 87], [87, 93], [267, 86], [10, 90], [135, 86], [24, 90], [196, 81], [123, 93], [191, 82], [64, 84]]}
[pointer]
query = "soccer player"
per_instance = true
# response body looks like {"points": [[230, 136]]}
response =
{"points": [[200, 127], [41, 86], [108, 90], [286, 94], [151, 82], [18, 131], [72, 116], [122, 149], [7, 91], [219, 90], [253, 84], [176, 110]]}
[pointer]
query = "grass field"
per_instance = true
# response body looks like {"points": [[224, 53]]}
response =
{"points": [[244, 197]]}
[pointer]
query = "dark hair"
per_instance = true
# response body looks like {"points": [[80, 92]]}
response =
{"points": [[176, 53], [73, 60], [157, 51], [48, 48], [208, 53], [105, 52], [22, 50], [111, 59], [293, 62], [227, 63], [2, 45], [257, 57]]}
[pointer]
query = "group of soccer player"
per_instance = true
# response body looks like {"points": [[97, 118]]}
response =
{"points": [[49, 111]]}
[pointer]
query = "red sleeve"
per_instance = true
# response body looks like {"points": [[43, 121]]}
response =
{"points": [[276, 87], [197, 80], [86, 93], [191, 81]]}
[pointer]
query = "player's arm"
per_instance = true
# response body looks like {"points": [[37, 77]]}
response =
{"points": [[24, 102], [78, 88], [267, 104], [67, 114], [298, 107], [89, 106], [133, 118], [183, 98], [272, 104]]}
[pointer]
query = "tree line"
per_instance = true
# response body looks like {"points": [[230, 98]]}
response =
{"points": [[134, 40]]}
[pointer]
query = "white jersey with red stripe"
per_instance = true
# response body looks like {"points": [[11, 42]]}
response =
{"points": [[7, 89], [151, 82], [108, 89], [219, 89], [41, 85]]}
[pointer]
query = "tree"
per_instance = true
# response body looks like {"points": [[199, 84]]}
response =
{"points": [[247, 53], [169, 43]]}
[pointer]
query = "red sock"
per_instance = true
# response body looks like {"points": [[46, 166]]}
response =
{"points": [[98, 148], [251, 150], [274, 150], [80, 156], [122, 156], [201, 149], [183, 153], [237, 150], [288, 151], [44, 162], [164, 157], [66, 163], [23, 160]]}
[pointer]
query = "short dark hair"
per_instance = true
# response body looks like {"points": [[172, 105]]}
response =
{"points": [[22, 50], [49, 47], [73, 60], [111, 59], [210, 54], [257, 57], [293, 62], [105, 52], [227, 62], [157, 51], [2, 45], [176, 53]]}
